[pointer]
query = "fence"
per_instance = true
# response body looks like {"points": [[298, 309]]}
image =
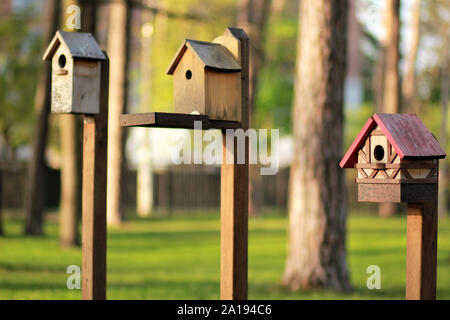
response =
{"points": [[179, 187]]}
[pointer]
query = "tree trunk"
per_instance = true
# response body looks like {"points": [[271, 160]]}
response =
{"points": [[443, 174], [1, 204], [409, 102], [71, 149], [252, 17], [35, 193], [117, 50], [317, 201], [144, 197], [391, 82]]}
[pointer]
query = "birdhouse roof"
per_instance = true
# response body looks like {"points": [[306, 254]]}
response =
{"points": [[80, 45], [406, 132], [211, 55]]}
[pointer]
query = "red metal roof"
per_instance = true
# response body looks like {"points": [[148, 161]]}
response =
{"points": [[406, 132]]}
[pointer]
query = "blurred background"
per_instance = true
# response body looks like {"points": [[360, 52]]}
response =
{"points": [[397, 60]]}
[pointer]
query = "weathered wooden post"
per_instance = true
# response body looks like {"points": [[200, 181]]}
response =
{"points": [[80, 76], [211, 86], [397, 160]]}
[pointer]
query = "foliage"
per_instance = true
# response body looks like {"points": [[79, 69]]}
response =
{"points": [[19, 65], [276, 83], [178, 258]]}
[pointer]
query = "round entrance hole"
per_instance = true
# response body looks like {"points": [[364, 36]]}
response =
{"points": [[378, 153], [62, 61], [188, 74]]}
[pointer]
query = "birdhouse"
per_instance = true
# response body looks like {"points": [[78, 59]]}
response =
{"points": [[206, 80], [396, 158], [75, 62]]}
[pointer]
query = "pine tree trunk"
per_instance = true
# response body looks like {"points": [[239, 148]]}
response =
{"points": [[1, 203], [144, 196], [317, 201], [117, 50], [252, 17], [71, 149], [409, 80], [35, 193], [391, 82], [443, 174]]}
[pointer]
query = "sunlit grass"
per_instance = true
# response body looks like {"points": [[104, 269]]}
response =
{"points": [[178, 258]]}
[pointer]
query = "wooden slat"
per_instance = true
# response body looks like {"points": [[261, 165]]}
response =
{"points": [[416, 181], [406, 173], [94, 196], [363, 173], [394, 173], [421, 251], [174, 120], [408, 165], [234, 188], [383, 172]]}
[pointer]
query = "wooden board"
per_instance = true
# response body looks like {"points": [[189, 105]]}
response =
{"points": [[234, 188], [223, 95], [95, 146], [174, 120], [396, 192], [421, 251]]}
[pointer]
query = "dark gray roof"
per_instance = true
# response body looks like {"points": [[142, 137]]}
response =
{"points": [[80, 45], [211, 55]]}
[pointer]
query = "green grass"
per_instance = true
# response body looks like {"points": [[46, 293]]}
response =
{"points": [[178, 258]]}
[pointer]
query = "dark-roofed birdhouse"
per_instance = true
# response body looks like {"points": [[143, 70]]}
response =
{"points": [[396, 158], [75, 60], [207, 81]]}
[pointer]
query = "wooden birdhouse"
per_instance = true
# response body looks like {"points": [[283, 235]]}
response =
{"points": [[207, 81], [75, 61], [396, 158]]}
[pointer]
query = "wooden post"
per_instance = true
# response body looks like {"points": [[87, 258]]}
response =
{"points": [[421, 251], [94, 196], [234, 188]]}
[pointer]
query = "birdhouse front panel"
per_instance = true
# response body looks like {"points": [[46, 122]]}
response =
{"points": [[189, 85], [62, 81], [396, 159]]}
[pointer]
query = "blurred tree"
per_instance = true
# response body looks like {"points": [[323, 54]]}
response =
{"points": [[19, 65], [144, 197], [409, 79], [35, 193], [443, 176], [435, 26], [273, 102], [118, 44], [391, 78], [71, 145], [317, 201], [252, 17]]}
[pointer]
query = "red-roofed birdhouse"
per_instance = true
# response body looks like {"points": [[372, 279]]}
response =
{"points": [[396, 158]]}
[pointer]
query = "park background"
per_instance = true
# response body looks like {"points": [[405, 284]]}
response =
{"points": [[163, 234]]}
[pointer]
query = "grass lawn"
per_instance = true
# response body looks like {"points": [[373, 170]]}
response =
{"points": [[178, 258]]}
